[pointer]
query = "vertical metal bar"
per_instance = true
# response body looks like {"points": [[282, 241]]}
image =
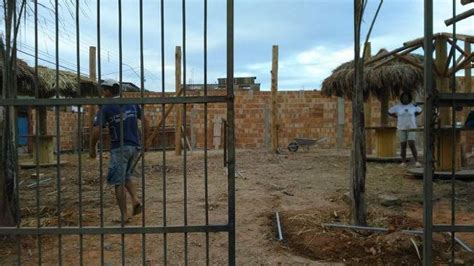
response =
{"points": [[206, 189], [230, 129], [58, 138], [37, 135], [454, 146], [79, 132], [428, 152], [142, 86], [101, 139], [121, 124], [163, 136], [17, 169], [185, 172], [224, 123]]}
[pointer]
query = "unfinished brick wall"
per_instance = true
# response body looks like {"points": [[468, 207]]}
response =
{"points": [[68, 127], [301, 114]]}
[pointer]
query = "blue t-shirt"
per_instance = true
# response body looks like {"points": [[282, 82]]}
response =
{"points": [[111, 119]]}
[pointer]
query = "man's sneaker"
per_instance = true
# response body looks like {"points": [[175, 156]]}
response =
{"points": [[403, 164], [418, 165]]}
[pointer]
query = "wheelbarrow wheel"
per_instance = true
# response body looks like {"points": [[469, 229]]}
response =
{"points": [[293, 146]]}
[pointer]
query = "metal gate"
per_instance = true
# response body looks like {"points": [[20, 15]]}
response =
{"points": [[62, 232], [441, 123]]}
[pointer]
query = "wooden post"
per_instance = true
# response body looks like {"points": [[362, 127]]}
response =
{"points": [[467, 70], [274, 98], [367, 104], [384, 102], [367, 107], [179, 114], [340, 121], [92, 76], [358, 155], [92, 63], [442, 80]]}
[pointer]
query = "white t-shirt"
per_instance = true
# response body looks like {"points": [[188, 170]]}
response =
{"points": [[405, 115]]}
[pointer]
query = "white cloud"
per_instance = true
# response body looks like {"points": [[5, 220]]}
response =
{"points": [[304, 69]]}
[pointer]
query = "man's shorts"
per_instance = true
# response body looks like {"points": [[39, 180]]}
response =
{"points": [[406, 135], [120, 165]]}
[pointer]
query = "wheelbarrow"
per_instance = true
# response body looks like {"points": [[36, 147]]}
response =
{"points": [[304, 143]]}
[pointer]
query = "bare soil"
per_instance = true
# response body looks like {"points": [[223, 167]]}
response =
{"points": [[307, 188]]}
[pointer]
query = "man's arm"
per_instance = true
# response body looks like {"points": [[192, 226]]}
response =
{"points": [[418, 110], [95, 131]]}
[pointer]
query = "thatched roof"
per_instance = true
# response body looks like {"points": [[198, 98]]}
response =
{"points": [[68, 85], [25, 76], [388, 79]]}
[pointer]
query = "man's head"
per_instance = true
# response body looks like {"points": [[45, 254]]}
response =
{"points": [[110, 87], [406, 98]]}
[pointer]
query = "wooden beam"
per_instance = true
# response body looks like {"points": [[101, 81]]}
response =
{"points": [[408, 61], [162, 120], [460, 17], [442, 81], [274, 98], [458, 48], [462, 37], [465, 2], [367, 104], [179, 111], [155, 133], [467, 70], [396, 51], [92, 63], [92, 109], [465, 63]]}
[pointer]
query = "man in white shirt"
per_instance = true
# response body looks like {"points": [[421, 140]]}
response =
{"points": [[406, 113]]}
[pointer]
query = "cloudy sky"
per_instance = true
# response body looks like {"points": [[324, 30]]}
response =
{"points": [[314, 36]]}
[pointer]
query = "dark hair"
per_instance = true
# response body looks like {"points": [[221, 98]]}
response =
{"points": [[115, 89], [406, 94]]}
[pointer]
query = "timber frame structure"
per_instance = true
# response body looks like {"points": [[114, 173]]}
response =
{"points": [[444, 96]]}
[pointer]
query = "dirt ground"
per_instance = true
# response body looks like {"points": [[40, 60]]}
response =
{"points": [[307, 184]]}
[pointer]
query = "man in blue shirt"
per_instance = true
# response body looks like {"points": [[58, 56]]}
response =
{"points": [[122, 157]]}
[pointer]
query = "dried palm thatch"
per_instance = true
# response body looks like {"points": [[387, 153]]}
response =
{"points": [[68, 83], [387, 80], [46, 82], [24, 74]]}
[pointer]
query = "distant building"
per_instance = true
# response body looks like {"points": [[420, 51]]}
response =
{"points": [[240, 83]]}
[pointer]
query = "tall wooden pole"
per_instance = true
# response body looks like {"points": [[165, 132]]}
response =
{"points": [[367, 104], [442, 80], [92, 63], [467, 70], [358, 156], [179, 112], [274, 98], [92, 76]]}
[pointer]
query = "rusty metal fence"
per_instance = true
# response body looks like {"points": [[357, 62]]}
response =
{"points": [[11, 101]]}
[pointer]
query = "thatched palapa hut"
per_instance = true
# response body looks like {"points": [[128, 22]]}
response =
{"points": [[387, 79], [68, 82], [44, 86]]}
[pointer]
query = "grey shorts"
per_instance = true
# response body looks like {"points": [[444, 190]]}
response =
{"points": [[120, 165], [406, 135]]}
